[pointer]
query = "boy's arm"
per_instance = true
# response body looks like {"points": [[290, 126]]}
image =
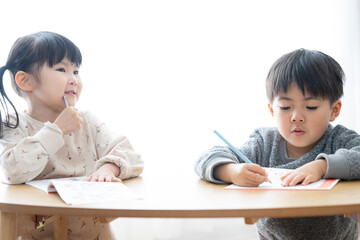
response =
{"points": [[344, 163], [241, 174], [308, 173], [222, 155], [210, 160]]}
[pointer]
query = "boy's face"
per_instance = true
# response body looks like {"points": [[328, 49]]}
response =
{"points": [[302, 119]]}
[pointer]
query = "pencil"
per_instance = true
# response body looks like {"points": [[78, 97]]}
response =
{"points": [[234, 149], [237, 152], [65, 101]]}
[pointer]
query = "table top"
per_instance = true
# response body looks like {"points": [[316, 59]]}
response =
{"points": [[186, 196]]}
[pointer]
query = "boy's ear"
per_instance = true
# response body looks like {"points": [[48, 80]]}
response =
{"points": [[335, 110], [271, 109], [24, 81]]}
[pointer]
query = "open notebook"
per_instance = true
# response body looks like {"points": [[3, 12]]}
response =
{"points": [[274, 175], [76, 191]]}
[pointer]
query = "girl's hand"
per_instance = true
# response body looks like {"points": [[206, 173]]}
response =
{"points": [[243, 174], [308, 173], [69, 120], [106, 173]]}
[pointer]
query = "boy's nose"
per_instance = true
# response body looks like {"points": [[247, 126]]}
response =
{"points": [[297, 117]]}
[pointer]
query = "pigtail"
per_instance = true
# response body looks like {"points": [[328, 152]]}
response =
{"points": [[4, 99]]}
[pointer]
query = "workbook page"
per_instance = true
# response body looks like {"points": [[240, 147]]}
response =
{"points": [[274, 175]]}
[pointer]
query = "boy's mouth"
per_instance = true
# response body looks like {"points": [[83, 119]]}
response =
{"points": [[298, 132]]}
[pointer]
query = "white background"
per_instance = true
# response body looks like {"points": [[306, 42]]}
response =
{"points": [[167, 73]]}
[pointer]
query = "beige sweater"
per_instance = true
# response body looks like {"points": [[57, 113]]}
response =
{"points": [[37, 150]]}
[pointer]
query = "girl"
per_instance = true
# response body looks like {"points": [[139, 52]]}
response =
{"points": [[52, 138]]}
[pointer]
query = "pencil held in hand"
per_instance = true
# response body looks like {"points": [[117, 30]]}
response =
{"points": [[65, 101], [236, 151]]}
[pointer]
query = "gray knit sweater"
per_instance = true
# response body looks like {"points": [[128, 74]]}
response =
{"points": [[266, 147]]}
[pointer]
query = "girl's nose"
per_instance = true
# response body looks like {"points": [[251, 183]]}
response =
{"points": [[297, 116], [73, 80]]}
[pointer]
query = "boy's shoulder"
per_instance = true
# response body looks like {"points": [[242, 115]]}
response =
{"points": [[266, 131], [266, 134], [340, 131]]}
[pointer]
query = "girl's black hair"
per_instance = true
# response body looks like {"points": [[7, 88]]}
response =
{"points": [[313, 72], [29, 54]]}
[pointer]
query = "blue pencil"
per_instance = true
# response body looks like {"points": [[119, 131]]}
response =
{"points": [[237, 152]]}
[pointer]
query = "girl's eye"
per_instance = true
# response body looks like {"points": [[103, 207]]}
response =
{"points": [[76, 72], [284, 108], [60, 69], [312, 108]]}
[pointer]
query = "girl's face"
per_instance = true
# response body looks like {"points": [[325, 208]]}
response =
{"points": [[302, 119], [62, 79]]}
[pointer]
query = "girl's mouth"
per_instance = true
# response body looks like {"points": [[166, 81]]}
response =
{"points": [[70, 93]]}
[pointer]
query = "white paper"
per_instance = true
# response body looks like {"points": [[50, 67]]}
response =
{"points": [[76, 191], [274, 175], [47, 186]]}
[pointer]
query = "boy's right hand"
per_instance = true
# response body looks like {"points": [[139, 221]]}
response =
{"points": [[242, 174], [69, 120]]}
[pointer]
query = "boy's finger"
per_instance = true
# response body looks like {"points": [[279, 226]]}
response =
{"points": [[284, 176], [257, 178], [255, 168]]}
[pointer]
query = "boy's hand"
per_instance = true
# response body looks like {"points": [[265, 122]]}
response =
{"points": [[308, 173], [106, 173], [69, 120], [243, 174]]}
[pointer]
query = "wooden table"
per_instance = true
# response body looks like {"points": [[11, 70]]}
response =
{"points": [[180, 196]]}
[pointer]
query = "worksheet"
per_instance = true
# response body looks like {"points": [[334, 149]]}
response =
{"points": [[274, 175], [76, 191]]}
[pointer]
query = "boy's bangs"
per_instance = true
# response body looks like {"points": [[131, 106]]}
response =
{"points": [[315, 73], [307, 83]]}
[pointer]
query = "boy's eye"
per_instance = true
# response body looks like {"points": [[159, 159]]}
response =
{"points": [[312, 108], [60, 69], [76, 72], [284, 108]]}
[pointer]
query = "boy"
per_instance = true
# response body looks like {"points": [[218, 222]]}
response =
{"points": [[304, 89]]}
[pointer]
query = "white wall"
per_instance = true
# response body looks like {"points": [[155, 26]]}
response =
{"points": [[167, 73]]}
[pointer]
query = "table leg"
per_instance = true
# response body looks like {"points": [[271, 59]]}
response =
{"points": [[60, 229], [8, 228], [251, 220]]}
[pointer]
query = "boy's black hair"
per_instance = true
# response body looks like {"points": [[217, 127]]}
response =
{"points": [[29, 54], [313, 72]]}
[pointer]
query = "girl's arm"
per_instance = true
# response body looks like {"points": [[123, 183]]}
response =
{"points": [[114, 150], [24, 157]]}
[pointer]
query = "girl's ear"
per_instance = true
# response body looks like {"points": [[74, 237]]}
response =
{"points": [[271, 109], [24, 81], [335, 110]]}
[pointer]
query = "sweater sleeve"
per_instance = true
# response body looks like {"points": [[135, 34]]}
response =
{"points": [[218, 155], [24, 157], [344, 161], [117, 150]]}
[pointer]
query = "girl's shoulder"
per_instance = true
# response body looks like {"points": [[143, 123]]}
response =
{"points": [[89, 117]]}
